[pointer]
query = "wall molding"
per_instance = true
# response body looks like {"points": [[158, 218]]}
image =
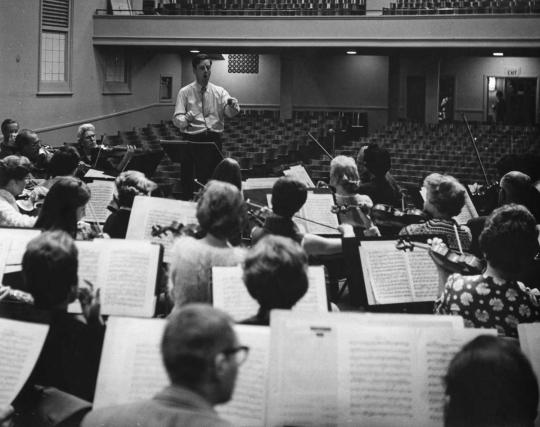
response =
{"points": [[103, 117], [341, 108]]}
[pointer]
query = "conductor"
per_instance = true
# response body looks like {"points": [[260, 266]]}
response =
{"points": [[201, 106]]}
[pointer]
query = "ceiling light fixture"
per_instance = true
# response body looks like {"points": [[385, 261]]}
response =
{"points": [[498, 54], [351, 52]]}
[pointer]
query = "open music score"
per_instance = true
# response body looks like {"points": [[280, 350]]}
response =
{"points": [[392, 276], [529, 341], [230, 294], [13, 243], [318, 208], [149, 211], [131, 368], [299, 173], [336, 370], [21, 345], [97, 174], [259, 183], [126, 273], [101, 194]]}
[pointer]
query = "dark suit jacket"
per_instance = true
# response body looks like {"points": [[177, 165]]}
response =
{"points": [[173, 406]]}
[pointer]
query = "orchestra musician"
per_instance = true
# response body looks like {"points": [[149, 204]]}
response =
{"points": [[128, 185], [445, 197], [100, 157], [496, 299], [344, 178], [64, 207], [10, 129], [14, 173], [275, 275], [288, 197], [27, 143], [220, 213], [490, 383]]}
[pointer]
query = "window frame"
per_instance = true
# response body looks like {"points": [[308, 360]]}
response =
{"points": [[55, 88], [116, 88]]}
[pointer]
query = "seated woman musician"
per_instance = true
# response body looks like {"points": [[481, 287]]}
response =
{"points": [[128, 185], [445, 198], [288, 197], [64, 207], [14, 172], [275, 275], [356, 207], [220, 213], [99, 156], [228, 170], [496, 299]]}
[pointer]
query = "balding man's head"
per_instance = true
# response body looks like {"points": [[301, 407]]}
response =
{"points": [[198, 349]]}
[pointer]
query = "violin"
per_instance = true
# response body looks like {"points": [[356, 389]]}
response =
{"points": [[177, 229], [450, 260], [370, 228]]}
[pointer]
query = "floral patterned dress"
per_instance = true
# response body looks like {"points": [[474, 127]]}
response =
{"points": [[485, 302]]}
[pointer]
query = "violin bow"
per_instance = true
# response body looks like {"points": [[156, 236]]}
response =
{"points": [[320, 146], [255, 205]]}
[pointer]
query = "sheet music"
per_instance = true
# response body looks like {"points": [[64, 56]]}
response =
{"points": [[467, 212], [247, 407], [300, 174], [149, 211], [259, 183], [97, 174], [131, 367], [19, 238], [317, 208], [336, 370], [20, 349], [230, 294], [125, 271], [529, 340], [101, 194], [393, 276]]}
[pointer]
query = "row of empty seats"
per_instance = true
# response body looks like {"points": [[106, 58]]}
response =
{"points": [[461, 7], [257, 7], [263, 144]]}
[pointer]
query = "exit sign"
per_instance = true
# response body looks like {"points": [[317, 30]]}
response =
{"points": [[513, 72]]}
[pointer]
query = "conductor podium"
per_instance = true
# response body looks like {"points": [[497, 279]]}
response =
{"points": [[197, 161]]}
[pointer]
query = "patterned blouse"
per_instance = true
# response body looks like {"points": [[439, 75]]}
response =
{"points": [[484, 302]]}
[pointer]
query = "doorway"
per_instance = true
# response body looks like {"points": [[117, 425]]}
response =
{"points": [[519, 98]]}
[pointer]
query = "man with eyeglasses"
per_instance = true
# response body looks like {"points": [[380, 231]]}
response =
{"points": [[201, 354]]}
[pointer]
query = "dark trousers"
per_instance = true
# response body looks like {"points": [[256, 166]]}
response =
{"points": [[204, 166]]}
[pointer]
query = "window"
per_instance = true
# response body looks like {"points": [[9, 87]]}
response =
{"points": [[116, 76], [55, 48]]}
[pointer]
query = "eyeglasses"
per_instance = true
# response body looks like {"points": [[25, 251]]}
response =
{"points": [[240, 353], [93, 136]]}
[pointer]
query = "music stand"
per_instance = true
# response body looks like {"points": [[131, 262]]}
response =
{"points": [[197, 159], [146, 162]]}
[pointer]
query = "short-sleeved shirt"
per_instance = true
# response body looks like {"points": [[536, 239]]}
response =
{"points": [[484, 302]]}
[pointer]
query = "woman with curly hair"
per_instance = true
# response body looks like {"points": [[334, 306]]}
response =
{"points": [[220, 212], [14, 171], [496, 299], [445, 198], [128, 185]]}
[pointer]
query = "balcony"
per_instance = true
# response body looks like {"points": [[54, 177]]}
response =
{"points": [[429, 31]]}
